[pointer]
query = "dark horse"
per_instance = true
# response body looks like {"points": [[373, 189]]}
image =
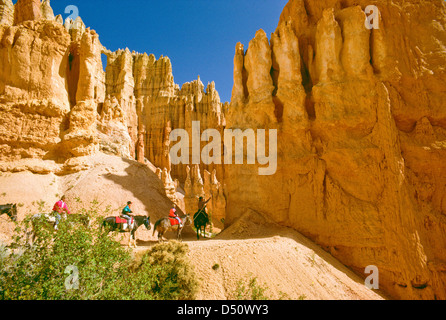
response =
{"points": [[163, 225], [201, 220], [111, 225], [10, 210]]}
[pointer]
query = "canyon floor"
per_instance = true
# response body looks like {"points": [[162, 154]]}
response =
{"points": [[285, 263]]}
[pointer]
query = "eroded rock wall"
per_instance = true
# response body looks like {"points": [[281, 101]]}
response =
{"points": [[57, 104], [361, 135]]}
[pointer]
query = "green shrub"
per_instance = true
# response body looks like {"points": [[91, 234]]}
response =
{"points": [[47, 269], [251, 290], [173, 278]]}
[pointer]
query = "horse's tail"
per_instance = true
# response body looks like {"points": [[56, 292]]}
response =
{"points": [[156, 225]]}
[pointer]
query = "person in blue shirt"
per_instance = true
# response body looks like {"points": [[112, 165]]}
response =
{"points": [[126, 212]]}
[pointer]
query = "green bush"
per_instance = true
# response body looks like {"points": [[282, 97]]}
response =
{"points": [[251, 290], [47, 269], [172, 276]]}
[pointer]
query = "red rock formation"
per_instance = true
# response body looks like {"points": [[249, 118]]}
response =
{"points": [[359, 113], [361, 128], [27, 10], [6, 12], [129, 110]]}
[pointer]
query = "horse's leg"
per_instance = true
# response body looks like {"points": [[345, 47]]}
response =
{"points": [[179, 234], [134, 240]]}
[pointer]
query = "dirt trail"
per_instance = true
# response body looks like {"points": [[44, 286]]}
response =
{"points": [[286, 263]]}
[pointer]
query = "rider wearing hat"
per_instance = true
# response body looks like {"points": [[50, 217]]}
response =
{"points": [[126, 212], [202, 204]]}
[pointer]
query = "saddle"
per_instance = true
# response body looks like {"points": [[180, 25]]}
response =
{"points": [[50, 218], [173, 220], [120, 220]]}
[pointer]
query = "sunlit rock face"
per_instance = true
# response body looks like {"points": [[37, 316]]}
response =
{"points": [[58, 104], [361, 135], [357, 104]]}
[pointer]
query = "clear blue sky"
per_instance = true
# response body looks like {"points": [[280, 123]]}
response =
{"points": [[199, 36]]}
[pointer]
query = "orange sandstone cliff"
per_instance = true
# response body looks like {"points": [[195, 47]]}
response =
{"points": [[361, 120], [58, 105], [359, 113]]}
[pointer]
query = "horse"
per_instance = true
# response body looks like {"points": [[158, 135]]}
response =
{"points": [[163, 225], [46, 220], [201, 220], [74, 217], [111, 225], [10, 210], [49, 221]]}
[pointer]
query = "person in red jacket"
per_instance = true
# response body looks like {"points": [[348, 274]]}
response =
{"points": [[59, 208], [173, 214]]}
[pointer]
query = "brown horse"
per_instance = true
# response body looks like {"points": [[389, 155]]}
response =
{"points": [[163, 225]]}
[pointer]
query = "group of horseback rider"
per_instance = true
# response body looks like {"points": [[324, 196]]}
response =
{"points": [[60, 207]]}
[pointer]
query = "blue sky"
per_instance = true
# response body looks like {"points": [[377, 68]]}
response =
{"points": [[198, 36]]}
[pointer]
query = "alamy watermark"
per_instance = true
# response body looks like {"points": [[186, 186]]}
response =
{"points": [[372, 281], [212, 152], [73, 10], [72, 281], [372, 19]]}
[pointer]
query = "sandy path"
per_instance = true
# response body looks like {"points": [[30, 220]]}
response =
{"points": [[286, 263]]}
